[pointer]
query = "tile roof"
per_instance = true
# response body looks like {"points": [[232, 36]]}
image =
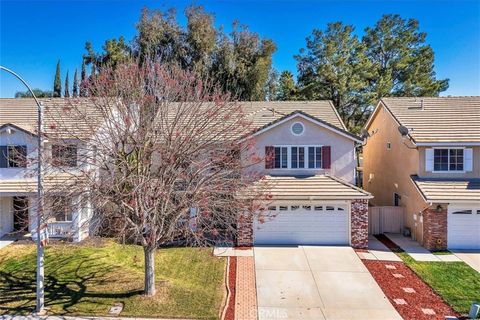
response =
{"points": [[29, 185], [319, 187], [23, 113], [448, 190], [265, 112], [438, 119]]}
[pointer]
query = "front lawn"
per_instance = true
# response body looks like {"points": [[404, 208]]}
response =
{"points": [[89, 278], [456, 282]]}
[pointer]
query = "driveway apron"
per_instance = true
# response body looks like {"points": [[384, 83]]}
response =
{"points": [[317, 282]]}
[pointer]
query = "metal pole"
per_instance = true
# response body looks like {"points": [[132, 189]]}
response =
{"points": [[40, 250]]}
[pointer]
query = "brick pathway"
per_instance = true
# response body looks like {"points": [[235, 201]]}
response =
{"points": [[246, 292]]}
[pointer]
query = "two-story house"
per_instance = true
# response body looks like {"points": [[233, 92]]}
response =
{"points": [[309, 164], [67, 216], [424, 154]]}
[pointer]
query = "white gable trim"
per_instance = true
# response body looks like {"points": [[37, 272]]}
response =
{"points": [[447, 144], [381, 104], [9, 128], [294, 115], [338, 115]]}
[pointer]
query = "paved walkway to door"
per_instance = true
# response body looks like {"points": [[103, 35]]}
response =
{"points": [[317, 282], [417, 252], [470, 257]]}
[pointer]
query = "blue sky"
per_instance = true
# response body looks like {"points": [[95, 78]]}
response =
{"points": [[35, 34]]}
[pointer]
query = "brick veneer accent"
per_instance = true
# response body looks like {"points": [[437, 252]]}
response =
{"points": [[245, 229], [435, 228], [359, 224]]}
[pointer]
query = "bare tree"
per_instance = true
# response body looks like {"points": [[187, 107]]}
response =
{"points": [[161, 157]]}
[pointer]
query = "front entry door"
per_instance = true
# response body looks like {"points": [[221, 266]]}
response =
{"points": [[20, 213]]}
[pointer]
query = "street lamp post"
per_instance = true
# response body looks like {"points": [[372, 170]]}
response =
{"points": [[40, 250]]}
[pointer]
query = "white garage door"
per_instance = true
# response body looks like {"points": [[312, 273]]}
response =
{"points": [[463, 227], [303, 224]]}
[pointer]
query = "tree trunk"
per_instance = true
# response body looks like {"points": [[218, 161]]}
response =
{"points": [[149, 253]]}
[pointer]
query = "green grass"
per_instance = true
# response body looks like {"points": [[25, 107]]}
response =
{"points": [[441, 253], [88, 279], [456, 282]]}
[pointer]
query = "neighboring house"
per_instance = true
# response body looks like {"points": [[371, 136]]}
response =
{"points": [[18, 179], [433, 171], [309, 164]]}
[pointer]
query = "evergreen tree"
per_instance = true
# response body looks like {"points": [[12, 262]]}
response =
{"points": [[75, 84], [287, 88], [83, 78], [38, 93], [403, 63], [66, 92], [57, 84], [335, 67]]}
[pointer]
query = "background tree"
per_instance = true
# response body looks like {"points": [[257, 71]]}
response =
{"points": [[403, 63], [287, 88], [66, 92], [38, 93], [57, 84], [240, 61], [75, 85], [83, 78], [392, 59], [335, 67], [169, 142]]}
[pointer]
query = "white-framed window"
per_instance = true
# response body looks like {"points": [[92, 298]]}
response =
{"points": [[13, 156], [64, 155], [448, 159], [297, 160], [62, 209], [297, 157], [281, 158]]}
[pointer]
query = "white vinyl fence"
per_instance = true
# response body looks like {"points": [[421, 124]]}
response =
{"points": [[386, 219]]}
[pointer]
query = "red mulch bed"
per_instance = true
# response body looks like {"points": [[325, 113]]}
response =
{"points": [[424, 297], [232, 276], [388, 243]]}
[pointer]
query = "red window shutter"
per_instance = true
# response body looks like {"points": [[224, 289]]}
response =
{"points": [[326, 157], [269, 157]]}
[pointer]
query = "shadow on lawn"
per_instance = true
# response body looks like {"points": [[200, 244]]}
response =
{"points": [[67, 281]]}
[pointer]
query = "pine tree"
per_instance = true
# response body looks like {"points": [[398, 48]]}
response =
{"points": [[402, 61], [287, 89], [334, 67], [66, 93], [57, 84], [83, 91], [75, 85]]}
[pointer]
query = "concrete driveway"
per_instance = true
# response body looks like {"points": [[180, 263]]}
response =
{"points": [[317, 282], [470, 257]]}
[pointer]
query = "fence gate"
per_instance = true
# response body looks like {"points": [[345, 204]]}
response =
{"points": [[385, 219]]}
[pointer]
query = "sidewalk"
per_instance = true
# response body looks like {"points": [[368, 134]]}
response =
{"points": [[417, 252], [378, 251]]}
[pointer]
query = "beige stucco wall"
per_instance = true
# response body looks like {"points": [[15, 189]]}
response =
{"points": [[475, 173], [388, 171], [343, 161]]}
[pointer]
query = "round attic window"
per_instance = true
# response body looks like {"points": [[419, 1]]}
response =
{"points": [[298, 128]]}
